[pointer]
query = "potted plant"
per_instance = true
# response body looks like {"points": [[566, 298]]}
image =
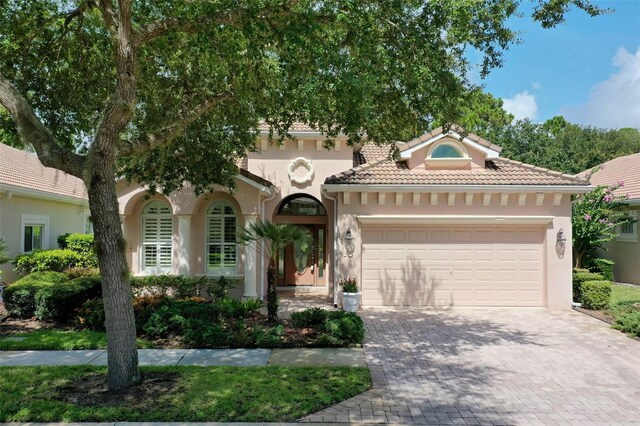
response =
{"points": [[350, 295]]}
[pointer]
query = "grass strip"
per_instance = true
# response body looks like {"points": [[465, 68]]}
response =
{"points": [[185, 394]]}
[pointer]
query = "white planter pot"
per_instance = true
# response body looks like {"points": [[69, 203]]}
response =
{"points": [[351, 301]]}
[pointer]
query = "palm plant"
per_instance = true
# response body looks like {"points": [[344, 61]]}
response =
{"points": [[275, 237]]}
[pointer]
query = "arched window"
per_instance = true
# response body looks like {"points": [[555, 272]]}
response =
{"points": [[301, 205], [446, 151], [222, 251], [157, 231]]}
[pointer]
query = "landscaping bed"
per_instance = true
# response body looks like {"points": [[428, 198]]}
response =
{"points": [[179, 394], [615, 304], [57, 311]]}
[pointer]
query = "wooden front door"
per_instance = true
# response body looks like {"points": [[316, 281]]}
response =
{"points": [[305, 265]]}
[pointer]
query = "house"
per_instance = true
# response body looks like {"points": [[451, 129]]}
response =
{"points": [[37, 204], [624, 250], [449, 222]]}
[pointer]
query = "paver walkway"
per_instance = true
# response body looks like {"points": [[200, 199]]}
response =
{"points": [[353, 357], [494, 366]]}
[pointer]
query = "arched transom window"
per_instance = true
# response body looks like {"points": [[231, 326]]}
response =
{"points": [[446, 151], [222, 251], [157, 231], [301, 205]]}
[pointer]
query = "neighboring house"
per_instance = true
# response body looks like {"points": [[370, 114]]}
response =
{"points": [[36, 204], [625, 249], [448, 223]]}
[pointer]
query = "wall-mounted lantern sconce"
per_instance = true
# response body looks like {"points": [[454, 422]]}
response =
{"points": [[348, 241], [561, 242]]}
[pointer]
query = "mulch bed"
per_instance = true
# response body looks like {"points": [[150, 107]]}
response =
{"points": [[602, 316], [92, 391], [15, 326]]}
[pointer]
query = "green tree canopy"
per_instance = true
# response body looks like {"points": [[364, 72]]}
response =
{"points": [[168, 91]]}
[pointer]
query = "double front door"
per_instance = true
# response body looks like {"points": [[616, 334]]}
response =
{"points": [[305, 264]]}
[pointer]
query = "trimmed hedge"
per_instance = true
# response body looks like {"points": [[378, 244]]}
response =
{"points": [[20, 297], [81, 244], [46, 260], [60, 302], [181, 287], [338, 328], [595, 294], [603, 267], [579, 278]]}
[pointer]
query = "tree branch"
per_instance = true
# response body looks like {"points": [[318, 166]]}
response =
{"points": [[32, 131], [167, 134]]}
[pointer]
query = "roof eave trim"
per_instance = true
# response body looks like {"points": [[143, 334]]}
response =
{"points": [[572, 189], [260, 187], [453, 220], [43, 195]]}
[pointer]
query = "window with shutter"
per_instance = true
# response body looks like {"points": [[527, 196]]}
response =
{"points": [[222, 251], [157, 232]]}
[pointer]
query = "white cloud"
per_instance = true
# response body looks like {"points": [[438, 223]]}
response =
{"points": [[536, 85], [614, 102], [522, 105]]}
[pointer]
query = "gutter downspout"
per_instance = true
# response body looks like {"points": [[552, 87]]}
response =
{"points": [[274, 192], [335, 245]]}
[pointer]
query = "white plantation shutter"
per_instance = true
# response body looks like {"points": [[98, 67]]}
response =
{"points": [[157, 232], [221, 238]]}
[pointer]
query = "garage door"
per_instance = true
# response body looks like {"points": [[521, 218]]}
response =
{"points": [[457, 266]]}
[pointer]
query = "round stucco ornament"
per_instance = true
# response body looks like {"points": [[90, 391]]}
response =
{"points": [[301, 170]]}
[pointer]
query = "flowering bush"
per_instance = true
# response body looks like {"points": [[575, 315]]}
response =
{"points": [[595, 219]]}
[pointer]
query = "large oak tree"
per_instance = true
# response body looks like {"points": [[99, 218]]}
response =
{"points": [[170, 91]]}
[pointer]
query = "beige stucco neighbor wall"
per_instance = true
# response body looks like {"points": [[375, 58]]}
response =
{"points": [[62, 218], [557, 276], [626, 255]]}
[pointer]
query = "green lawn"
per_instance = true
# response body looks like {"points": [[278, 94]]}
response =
{"points": [[215, 394], [59, 340], [621, 293]]}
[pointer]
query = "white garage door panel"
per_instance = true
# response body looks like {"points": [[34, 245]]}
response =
{"points": [[453, 266]]}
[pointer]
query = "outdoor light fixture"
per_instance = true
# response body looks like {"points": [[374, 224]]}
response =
{"points": [[561, 241], [349, 245]]}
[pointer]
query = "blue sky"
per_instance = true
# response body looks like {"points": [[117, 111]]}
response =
{"points": [[587, 69]]}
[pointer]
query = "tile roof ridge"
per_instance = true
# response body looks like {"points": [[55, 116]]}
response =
{"points": [[542, 169]]}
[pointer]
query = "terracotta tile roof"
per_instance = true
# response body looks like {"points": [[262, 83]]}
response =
{"points": [[626, 169], [23, 170], [500, 171], [370, 153], [437, 132]]}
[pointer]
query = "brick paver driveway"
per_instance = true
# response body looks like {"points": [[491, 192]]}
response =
{"points": [[494, 366]]}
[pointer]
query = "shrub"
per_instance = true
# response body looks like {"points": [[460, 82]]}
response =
{"points": [[204, 334], [595, 294], [624, 307], [579, 278], [171, 317], [60, 302], [174, 285], [604, 267], [46, 260], [91, 315], [20, 298], [82, 272], [629, 323], [346, 328], [312, 317]]}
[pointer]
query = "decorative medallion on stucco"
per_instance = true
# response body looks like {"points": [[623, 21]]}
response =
{"points": [[301, 170]]}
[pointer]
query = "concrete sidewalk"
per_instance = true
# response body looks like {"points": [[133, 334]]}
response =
{"points": [[350, 357]]}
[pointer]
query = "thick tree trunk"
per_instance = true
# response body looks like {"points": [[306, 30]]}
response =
{"points": [[272, 293], [122, 350]]}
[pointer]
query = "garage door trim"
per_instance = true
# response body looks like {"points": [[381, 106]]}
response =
{"points": [[452, 220]]}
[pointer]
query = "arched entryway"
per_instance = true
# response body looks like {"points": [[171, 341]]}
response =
{"points": [[299, 265]]}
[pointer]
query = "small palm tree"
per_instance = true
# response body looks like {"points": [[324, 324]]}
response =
{"points": [[275, 238]]}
